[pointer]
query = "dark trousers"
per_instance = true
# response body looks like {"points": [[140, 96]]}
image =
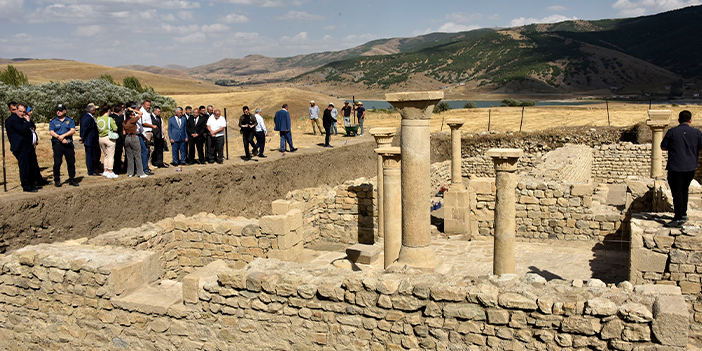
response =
{"points": [[260, 142], [34, 163], [90, 152], [196, 143], [208, 146], [679, 183], [62, 151], [285, 137], [248, 137], [327, 130], [157, 155], [26, 176], [119, 165], [217, 145]]}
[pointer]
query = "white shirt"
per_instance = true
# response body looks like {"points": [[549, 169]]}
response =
{"points": [[216, 123], [314, 112], [145, 118], [334, 113], [261, 127]]}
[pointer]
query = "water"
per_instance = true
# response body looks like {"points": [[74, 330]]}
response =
{"points": [[371, 104]]}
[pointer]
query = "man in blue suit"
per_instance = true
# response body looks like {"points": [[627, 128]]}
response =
{"points": [[178, 135], [89, 138], [20, 135], [283, 125]]}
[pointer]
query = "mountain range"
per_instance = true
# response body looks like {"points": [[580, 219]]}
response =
{"points": [[654, 54]]}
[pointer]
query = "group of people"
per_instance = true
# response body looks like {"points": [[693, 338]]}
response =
{"points": [[329, 118], [133, 130]]}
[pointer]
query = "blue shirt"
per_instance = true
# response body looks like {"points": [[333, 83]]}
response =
{"points": [[359, 111], [62, 127], [683, 144]]}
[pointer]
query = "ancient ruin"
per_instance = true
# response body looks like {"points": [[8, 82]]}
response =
{"points": [[320, 272]]}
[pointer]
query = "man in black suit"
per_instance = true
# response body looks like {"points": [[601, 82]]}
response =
{"points": [[197, 129], [89, 137], [118, 115], [19, 133], [157, 155]]}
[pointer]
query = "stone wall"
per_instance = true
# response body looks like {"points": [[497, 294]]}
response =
{"points": [[546, 210], [51, 299], [186, 243], [614, 163]]}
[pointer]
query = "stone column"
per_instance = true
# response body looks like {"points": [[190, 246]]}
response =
{"points": [[392, 198], [416, 109], [383, 137], [456, 208], [657, 121], [505, 209]]}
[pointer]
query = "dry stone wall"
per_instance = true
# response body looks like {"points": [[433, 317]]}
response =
{"points": [[50, 300]]}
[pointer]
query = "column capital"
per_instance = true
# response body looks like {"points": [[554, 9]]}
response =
{"points": [[455, 123], [415, 105], [383, 136], [505, 159], [391, 156]]}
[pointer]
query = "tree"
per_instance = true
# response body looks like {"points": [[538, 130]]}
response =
{"points": [[133, 83], [470, 104], [441, 107], [14, 77], [108, 78]]}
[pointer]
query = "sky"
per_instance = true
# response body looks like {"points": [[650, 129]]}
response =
{"points": [[192, 32]]}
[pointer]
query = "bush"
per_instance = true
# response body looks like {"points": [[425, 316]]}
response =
{"points": [[515, 103], [75, 95], [470, 104], [441, 107], [108, 78], [12, 76]]}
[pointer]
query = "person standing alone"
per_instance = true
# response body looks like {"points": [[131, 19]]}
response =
{"points": [[683, 144], [314, 117]]}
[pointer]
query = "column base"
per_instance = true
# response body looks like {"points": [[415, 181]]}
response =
{"points": [[421, 258]]}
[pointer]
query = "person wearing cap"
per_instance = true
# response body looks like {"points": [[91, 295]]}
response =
{"points": [[361, 115], [346, 113], [327, 121], [19, 134], [61, 129], [247, 125], [261, 133], [89, 138], [314, 117], [283, 126]]}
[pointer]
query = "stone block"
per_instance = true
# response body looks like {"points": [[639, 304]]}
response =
{"points": [[294, 218], [690, 287], [482, 186], [581, 190], [278, 224], [152, 299], [643, 260], [288, 240], [362, 253], [657, 289], [281, 207], [456, 198], [193, 282], [127, 276], [293, 254], [671, 320]]}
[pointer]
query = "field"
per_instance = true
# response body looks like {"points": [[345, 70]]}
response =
{"points": [[502, 119], [44, 71]]}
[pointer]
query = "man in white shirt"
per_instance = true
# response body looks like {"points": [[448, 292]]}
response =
{"points": [[261, 133], [148, 136], [215, 126], [314, 117], [334, 113]]}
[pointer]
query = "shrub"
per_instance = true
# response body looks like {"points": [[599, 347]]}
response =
{"points": [[441, 107], [75, 95], [108, 78], [515, 103], [470, 104], [13, 76]]}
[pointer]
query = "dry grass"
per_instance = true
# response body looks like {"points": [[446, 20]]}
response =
{"points": [[44, 71]]}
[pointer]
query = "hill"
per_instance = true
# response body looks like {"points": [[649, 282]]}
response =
{"points": [[44, 71]]}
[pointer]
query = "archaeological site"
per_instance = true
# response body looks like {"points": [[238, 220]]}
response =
{"points": [[451, 241]]}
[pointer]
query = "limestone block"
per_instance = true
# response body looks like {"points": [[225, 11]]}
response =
{"points": [[288, 240], [483, 186], [294, 217], [516, 301], [600, 307], [690, 287], [671, 320], [278, 225], [193, 282], [644, 260], [581, 190], [657, 289], [293, 254], [581, 325], [635, 312], [152, 299], [127, 276], [363, 253], [281, 207], [456, 198]]}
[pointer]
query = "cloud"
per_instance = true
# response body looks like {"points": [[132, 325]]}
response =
{"points": [[642, 7], [549, 19], [359, 38], [300, 16], [87, 31], [215, 27], [11, 9], [451, 27], [192, 38], [180, 30], [185, 15], [235, 18], [460, 17], [557, 8], [260, 3]]}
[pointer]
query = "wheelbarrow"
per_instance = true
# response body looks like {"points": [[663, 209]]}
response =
{"points": [[351, 129]]}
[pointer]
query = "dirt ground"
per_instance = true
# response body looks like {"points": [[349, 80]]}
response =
{"points": [[235, 188]]}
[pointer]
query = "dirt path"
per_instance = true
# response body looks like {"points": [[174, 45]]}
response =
{"points": [[233, 188]]}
